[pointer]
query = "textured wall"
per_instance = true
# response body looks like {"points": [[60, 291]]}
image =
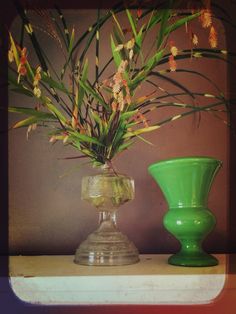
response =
{"points": [[46, 213]]}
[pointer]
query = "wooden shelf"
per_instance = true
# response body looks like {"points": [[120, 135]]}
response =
{"points": [[57, 280]]}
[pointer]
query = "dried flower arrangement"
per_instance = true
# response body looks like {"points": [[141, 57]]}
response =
{"points": [[103, 118]]}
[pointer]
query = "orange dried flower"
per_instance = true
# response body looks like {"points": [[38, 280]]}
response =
{"points": [[172, 63], [128, 99], [23, 59], [122, 66], [141, 118], [173, 48], [139, 12], [37, 91], [194, 39], [21, 68], [37, 76], [174, 51], [31, 127], [206, 18], [114, 106], [52, 139], [130, 44], [213, 40]]}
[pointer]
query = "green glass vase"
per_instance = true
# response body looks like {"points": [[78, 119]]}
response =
{"points": [[185, 183]]}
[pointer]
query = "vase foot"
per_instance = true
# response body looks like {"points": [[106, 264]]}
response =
{"points": [[106, 249], [193, 260]]}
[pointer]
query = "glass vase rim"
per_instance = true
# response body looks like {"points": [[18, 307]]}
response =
{"points": [[206, 159]]}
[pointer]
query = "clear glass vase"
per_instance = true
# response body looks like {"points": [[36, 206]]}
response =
{"points": [[107, 191]]}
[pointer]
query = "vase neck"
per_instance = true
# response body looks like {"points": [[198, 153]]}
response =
{"points": [[107, 221], [106, 168]]}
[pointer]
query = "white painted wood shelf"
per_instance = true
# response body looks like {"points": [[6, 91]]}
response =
{"points": [[57, 280]]}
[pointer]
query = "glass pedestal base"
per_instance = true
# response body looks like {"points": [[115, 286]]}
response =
{"points": [[200, 259], [106, 247]]}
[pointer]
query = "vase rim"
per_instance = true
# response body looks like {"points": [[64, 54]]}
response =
{"points": [[206, 159]]}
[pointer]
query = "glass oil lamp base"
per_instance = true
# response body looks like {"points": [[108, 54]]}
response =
{"points": [[106, 247]]}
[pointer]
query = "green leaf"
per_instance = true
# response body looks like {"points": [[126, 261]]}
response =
{"points": [[141, 131], [30, 71], [30, 31], [172, 81], [111, 119], [153, 61], [14, 49], [32, 112], [189, 112], [128, 114], [72, 37], [84, 138], [65, 28], [139, 37], [166, 13], [23, 91], [180, 22], [80, 93], [118, 24], [94, 94], [144, 140], [26, 122], [154, 19], [56, 112], [52, 83], [116, 54], [143, 74], [97, 119], [132, 22], [124, 146]]}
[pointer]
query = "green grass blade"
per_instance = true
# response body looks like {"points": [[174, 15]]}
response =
{"points": [[141, 131], [72, 38], [172, 81], [31, 34], [124, 146], [32, 112], [132, 22], [166, 13], [81, 90], [118, 25], [26, 122], [52, 83], [66, 31], [22, 91], [84, 138], [91, 91], [97, 47], [116, 55], [180, 23], [15, 52], [53, 109]]}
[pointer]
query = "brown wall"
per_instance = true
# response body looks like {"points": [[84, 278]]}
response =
{"points": [[46, 213]]}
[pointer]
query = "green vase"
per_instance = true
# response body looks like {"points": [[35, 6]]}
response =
{"points": [[185, 183]]}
